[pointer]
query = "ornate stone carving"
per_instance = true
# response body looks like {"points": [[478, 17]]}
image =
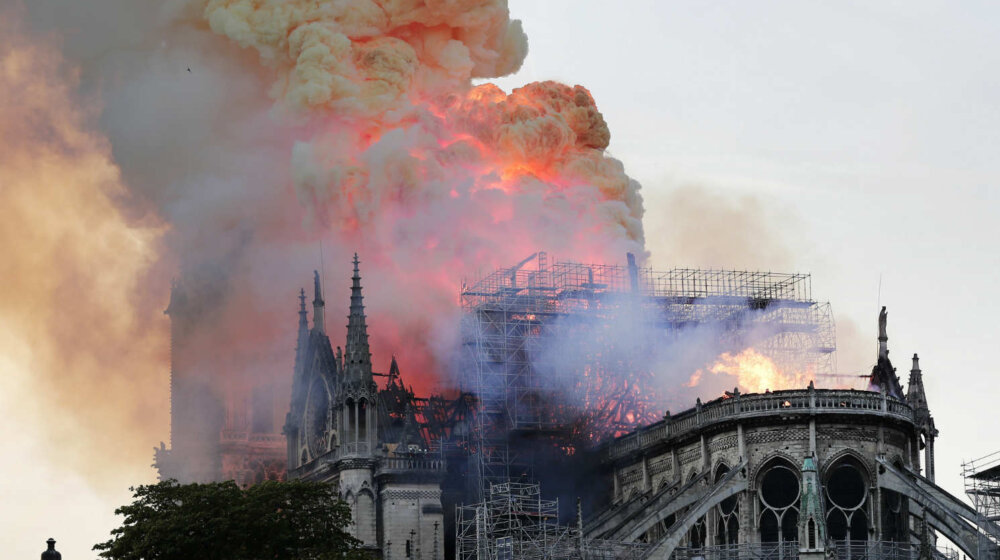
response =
{"points": [[409, 494], [774, 436]]}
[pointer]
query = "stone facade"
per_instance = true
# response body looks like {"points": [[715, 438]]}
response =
{"points": [[769, 470], [759, 433], [342, 429]]}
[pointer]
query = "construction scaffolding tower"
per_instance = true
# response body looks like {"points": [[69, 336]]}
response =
{"points": [[514, 522], [982, 486], [511, 315]]}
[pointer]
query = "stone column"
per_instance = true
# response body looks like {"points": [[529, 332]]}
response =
{"points": [[741, 443], [647, 484], [347, 424], [676, 463], [929, 458], [812, 437]]}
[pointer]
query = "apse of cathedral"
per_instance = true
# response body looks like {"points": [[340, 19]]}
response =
{"points": [[372, 443]]}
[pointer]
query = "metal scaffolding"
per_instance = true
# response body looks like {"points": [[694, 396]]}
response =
{"points": [[982, 486], [515, 522], [511, 315]]}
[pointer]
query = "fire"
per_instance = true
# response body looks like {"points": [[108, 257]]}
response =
{"points": [[754, 372], [424, 174]]}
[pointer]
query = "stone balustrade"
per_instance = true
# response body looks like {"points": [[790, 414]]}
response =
{"points": [[804, 402], [399, 464], [235, 436]]}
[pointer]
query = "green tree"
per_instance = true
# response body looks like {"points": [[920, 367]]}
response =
{"points": [[293, 520]]}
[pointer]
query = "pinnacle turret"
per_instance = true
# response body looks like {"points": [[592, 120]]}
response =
{"points": [[303, 320], [915, 394], [812, 519], [303, 336], [357, 355]]}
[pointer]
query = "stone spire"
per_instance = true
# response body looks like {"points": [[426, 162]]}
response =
{"points": [[812, 516], [357, 355], [302, 344], [318, 304], [917, 399], [303, 321], [915, 388]]}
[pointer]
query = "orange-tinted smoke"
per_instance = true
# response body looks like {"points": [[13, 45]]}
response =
{"points": [[431, 179], [81, 328]]}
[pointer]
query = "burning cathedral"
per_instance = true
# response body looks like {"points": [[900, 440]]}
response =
{"points": [[493, 469]]}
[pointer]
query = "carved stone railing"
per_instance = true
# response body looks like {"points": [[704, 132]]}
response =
{"points": [[354, 449], [405, 464], [841, 550], [240, 436], [805, 402]]}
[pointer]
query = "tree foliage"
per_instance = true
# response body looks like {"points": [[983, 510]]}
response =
{"points": [[294, 520]]}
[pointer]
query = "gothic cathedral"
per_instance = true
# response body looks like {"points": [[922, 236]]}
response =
{"points": [[343, 429]]}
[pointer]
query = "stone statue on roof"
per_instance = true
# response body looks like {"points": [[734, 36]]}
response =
{"points": [[882, 316]]}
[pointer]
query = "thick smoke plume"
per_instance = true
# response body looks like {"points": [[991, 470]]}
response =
{"points": [[235, 146], [81, 328], [238, 145], [619, 367], [397, 156]]}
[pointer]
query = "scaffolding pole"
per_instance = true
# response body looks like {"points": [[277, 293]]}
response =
{"points": [[511, 315]]}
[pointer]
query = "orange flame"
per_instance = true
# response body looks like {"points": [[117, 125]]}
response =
{"points": [[755, 372]]}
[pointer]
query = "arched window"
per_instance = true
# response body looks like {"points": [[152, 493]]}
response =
{"points": [[697, 533], [847, 501], [895, 512], [349, 420], [727, 522], [778, 494], [365, 519]]}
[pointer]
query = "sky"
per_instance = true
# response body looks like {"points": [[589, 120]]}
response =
{"points": [[853, 141], [859, 139]]}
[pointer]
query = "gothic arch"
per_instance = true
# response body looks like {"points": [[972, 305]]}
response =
{"points": [[726, 514], [352, 504], [692, 474], [848, 483], [836, 458], [365, 515], [664, 482], [760, 466], [776, 491]]}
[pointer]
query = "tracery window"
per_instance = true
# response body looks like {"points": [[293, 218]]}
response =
{"points": [[895, 513], [847, 501], [698, 531], [778, 493], [727, 522]]}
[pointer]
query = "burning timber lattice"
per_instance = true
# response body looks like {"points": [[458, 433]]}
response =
{"points": [[513, 313]]}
